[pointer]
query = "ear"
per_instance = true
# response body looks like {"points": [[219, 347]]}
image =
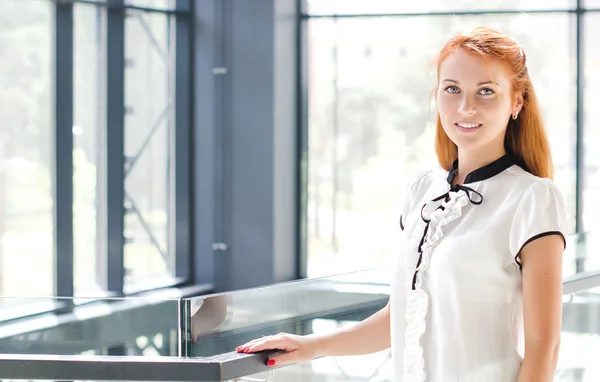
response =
{"points": [[518, 102]]}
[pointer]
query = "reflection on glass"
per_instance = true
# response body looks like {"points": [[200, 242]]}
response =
{"points": [[132, 326], [371, 121], [158, 4], [581, 254], [322, 7], [88, 98], [148, 137], [26, 241], [219, 323], [580, 341], [591, 112]]}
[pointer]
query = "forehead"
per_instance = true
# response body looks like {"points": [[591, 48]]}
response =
{"points": [[464, 66]]}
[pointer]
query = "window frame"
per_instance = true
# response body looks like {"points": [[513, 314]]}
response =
{"points": [[110, 238], [579, 11]]}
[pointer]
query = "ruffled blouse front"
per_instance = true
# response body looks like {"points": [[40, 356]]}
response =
{"points": [[456, 295]]}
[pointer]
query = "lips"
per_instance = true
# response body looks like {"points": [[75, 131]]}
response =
{"points": [[467, 126]]}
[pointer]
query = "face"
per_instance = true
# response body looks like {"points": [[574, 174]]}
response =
{"points": [[475, 101]]}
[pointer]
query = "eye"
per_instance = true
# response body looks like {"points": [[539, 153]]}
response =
{"points": [[451, 89], [486, 91]]}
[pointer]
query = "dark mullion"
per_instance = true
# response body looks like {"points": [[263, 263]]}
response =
{"points": [[113, 224], [181, 197], [120, 6], [579, 145], [63, 149], [302, 156]]}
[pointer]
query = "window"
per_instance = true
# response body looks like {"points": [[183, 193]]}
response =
{"points": [[156, 4], [88, 122], [148, 141], [324, 7], [28, 87], [26, 241], [591, 175], [371, 122]]}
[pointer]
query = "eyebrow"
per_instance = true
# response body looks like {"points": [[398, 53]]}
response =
{"points": [[479, 84]]}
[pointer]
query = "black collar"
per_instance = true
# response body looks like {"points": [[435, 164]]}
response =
{"points": [[485, 172]]}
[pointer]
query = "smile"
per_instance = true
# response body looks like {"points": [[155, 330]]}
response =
{"points": [[467, 126]]}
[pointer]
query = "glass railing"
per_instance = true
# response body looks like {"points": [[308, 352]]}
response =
{"points": [[170, 338], [127, 326]]}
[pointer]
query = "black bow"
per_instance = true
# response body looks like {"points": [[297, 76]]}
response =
{"points": [[474, 197]]}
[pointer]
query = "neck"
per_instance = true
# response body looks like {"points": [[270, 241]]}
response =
{"points": [[471, 160]]}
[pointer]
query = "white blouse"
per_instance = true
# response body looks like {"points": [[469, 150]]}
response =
{"points": [[456, 301]]}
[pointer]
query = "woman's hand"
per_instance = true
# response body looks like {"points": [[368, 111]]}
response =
{"points": [[297, 348]]}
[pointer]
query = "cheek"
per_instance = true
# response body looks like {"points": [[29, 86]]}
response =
{"points": [[447, 105], [493, 106]]}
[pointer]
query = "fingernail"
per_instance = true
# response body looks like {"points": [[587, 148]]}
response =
{"points": [[271, 362], [246, 351]]}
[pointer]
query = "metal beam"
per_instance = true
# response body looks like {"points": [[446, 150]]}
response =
{"points": [[302, 149], [181, 197], [113, 224], [206, 207], [63, 150]]}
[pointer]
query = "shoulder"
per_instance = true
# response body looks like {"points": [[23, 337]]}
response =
{"points": [[528, 184], [540, 210], [423, 180]]}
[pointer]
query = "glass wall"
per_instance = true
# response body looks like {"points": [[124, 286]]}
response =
{"points": [[371, 117], [591, 191], [30, 96], [89, 109], [148, 134], [26, 148]]}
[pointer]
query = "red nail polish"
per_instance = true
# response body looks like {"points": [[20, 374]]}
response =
{"points": [[271, 362]]}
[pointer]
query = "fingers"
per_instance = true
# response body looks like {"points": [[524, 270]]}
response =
{"points": [[245, 346], [279, 342], [285, 358]]}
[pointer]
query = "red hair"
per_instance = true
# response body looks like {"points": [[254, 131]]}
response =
{"points": [[525, 137]]}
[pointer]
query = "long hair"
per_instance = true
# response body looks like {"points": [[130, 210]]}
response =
{"points": [[525, 137]]}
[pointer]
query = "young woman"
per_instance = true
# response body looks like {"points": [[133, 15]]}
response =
{"points": [[477, 292]]}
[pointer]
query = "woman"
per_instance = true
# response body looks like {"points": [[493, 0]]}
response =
{"points": [[477, 294]]}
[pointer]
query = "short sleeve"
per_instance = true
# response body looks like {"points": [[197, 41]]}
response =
{"points": [[410, 195], [541, 212]]}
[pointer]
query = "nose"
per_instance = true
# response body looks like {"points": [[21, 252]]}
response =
{"points": [[467, 105]]}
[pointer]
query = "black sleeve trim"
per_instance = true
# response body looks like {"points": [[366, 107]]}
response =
{"points": [[517, 257], [401, 224]]}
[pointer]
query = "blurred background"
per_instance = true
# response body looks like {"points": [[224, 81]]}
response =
{"points": [[356, 123], [230, 144]]}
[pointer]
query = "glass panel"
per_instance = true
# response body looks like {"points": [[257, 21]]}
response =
{"points": [[89, 112], [26, 240], [371, 123], [580, 342], [581, 254], [148, 141], [591, 4], [158, 4], [219, 323], [578, 360], [591, 112], [324, 7], [132, 326]]}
